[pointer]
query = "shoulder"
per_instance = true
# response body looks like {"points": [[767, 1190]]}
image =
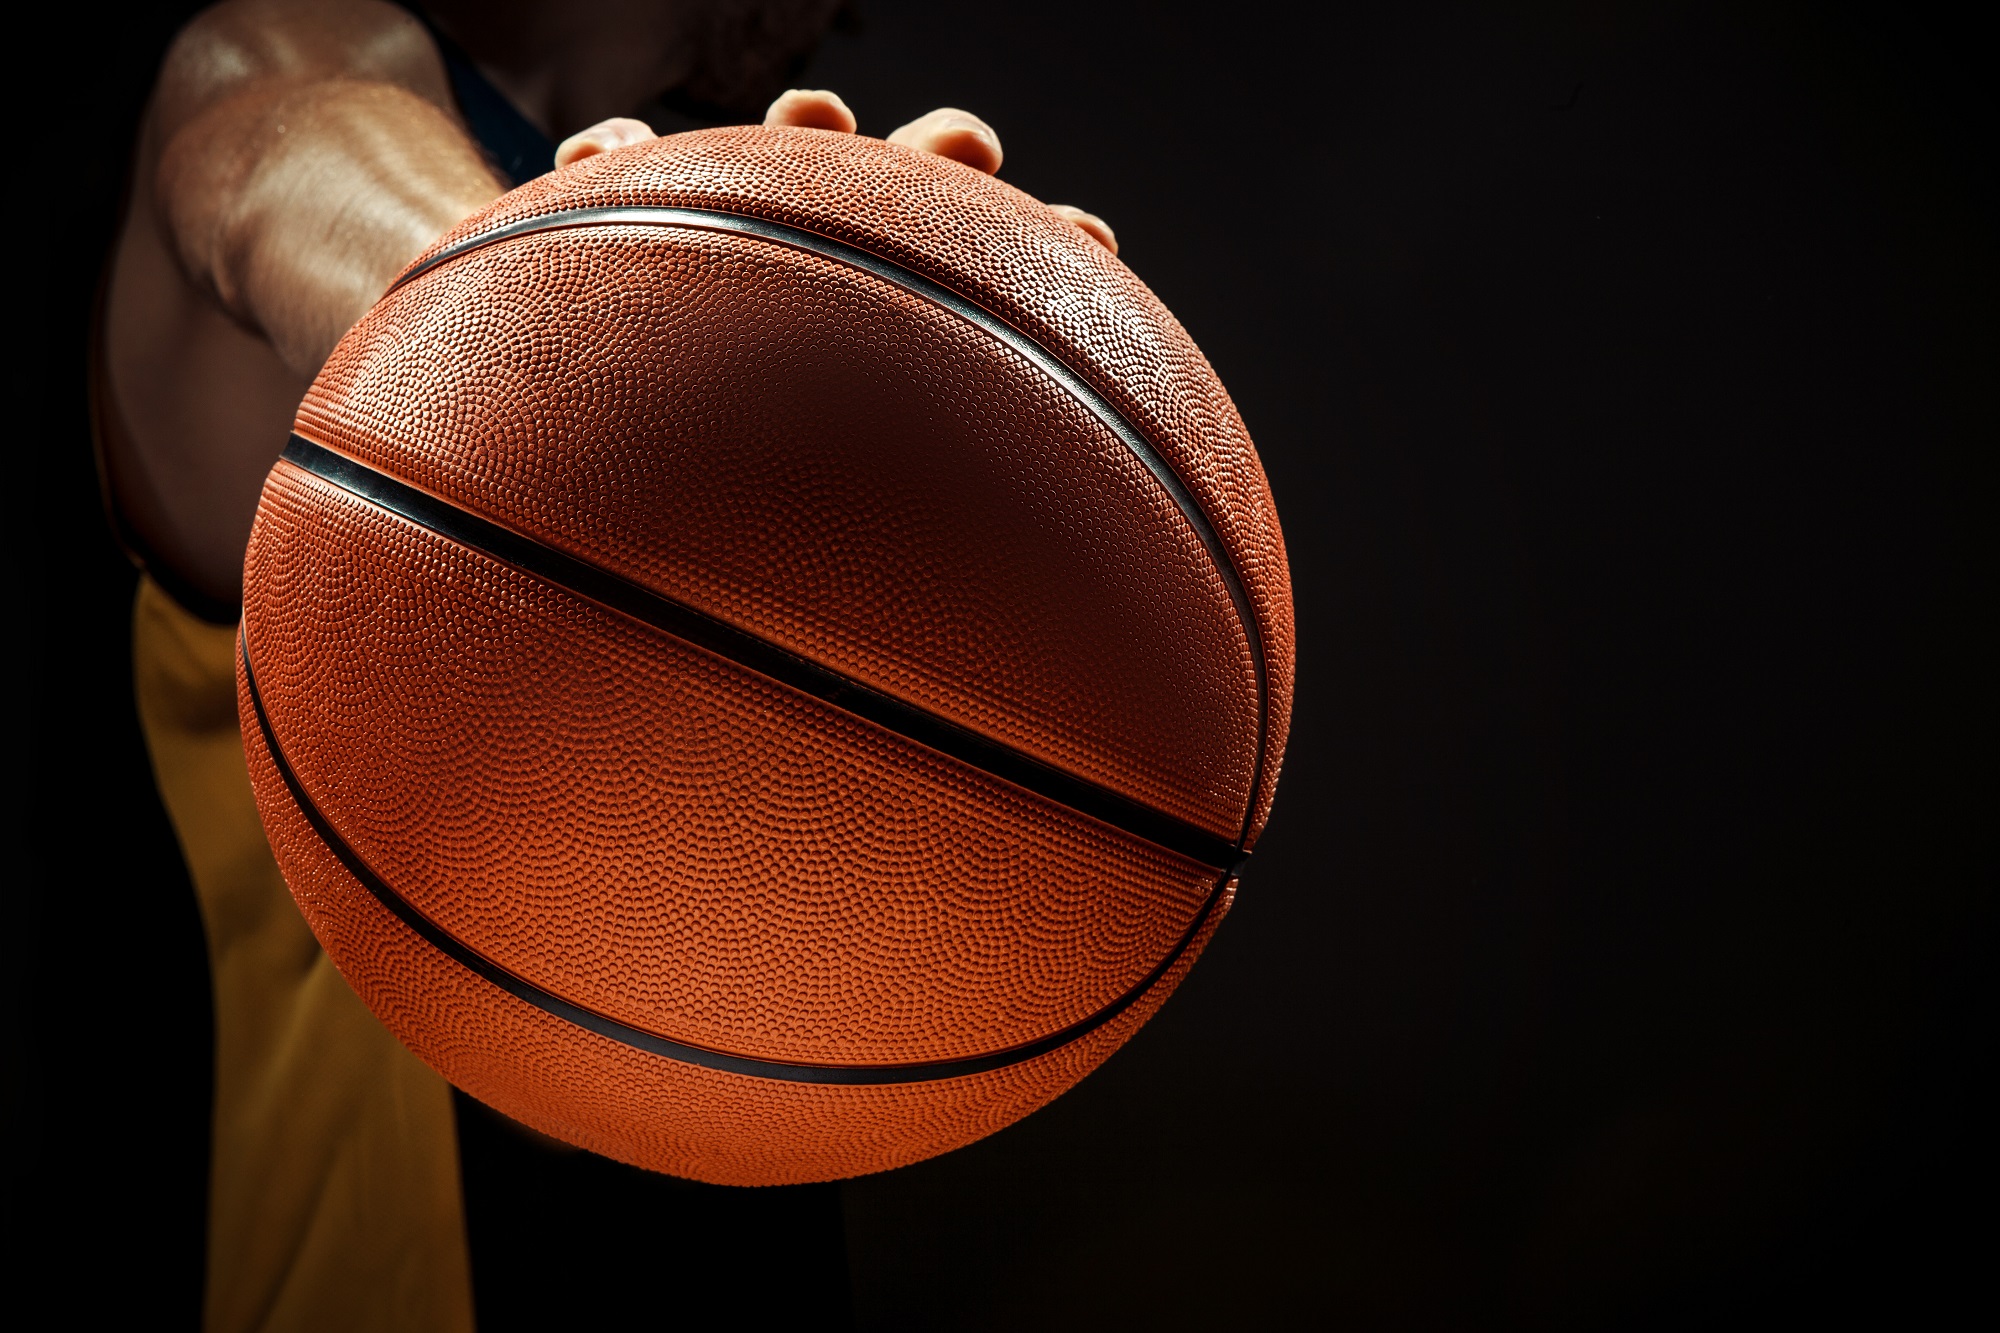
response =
{"points": [[231, 46]]}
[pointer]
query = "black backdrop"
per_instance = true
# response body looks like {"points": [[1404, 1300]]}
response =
{"points": [[1613, 957]]}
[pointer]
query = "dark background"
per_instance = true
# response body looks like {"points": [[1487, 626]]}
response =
{"points": [[1625, 375]]}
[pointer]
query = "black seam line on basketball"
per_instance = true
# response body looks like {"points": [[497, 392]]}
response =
{"points": [[768, 659], [638, 1038], [703, 219]]}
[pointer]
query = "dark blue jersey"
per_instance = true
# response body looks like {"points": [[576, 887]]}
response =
{"points": [[518, 150]]}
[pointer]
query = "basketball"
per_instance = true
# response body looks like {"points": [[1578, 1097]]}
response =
{"points": [[765, 655]]}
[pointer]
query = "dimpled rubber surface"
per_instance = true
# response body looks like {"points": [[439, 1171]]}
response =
{"points": [[998, 247], [663, 1115], [726, 863], [850, 470], [633, 396]]}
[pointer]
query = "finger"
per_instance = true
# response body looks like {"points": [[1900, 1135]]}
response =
{"points": [[605, 135], [958, 135], [1091, 225], [811, 109]]}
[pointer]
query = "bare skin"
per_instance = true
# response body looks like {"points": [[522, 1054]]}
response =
{"points": [[295, 156]]}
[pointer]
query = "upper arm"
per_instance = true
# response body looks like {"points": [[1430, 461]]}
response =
{"points": [[298, 154], [219, 107], [235, 46], [294, 156]]}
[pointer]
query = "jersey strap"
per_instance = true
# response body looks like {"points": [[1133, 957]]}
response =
{"points": [[515, 146]]}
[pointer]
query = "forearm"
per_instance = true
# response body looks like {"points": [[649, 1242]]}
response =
{"points": [[295, 205]]}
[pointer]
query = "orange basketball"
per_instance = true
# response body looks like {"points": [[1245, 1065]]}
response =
{"points": [[765, 655]]}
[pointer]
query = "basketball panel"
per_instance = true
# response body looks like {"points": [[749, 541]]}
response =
{"points": [[809, 452], [1008, 253], [635, 1107], [665, 837]]}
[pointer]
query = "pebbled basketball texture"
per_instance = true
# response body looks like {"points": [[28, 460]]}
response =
{"points": [[897, 426]]}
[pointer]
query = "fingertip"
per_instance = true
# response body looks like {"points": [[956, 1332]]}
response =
{"points": [[1100, 231], [958, 135], [1091, 225], [576, 148], [605, 135], [811, 109], [974, 145]]}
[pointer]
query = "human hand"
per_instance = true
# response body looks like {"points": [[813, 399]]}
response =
{"points": [[947, 132]]}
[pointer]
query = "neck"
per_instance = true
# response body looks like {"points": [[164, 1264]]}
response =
{"points": [[569, 65]]}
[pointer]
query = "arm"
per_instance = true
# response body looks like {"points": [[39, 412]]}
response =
{"points": [[293, 207], [306, 154], [293, 158]]}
